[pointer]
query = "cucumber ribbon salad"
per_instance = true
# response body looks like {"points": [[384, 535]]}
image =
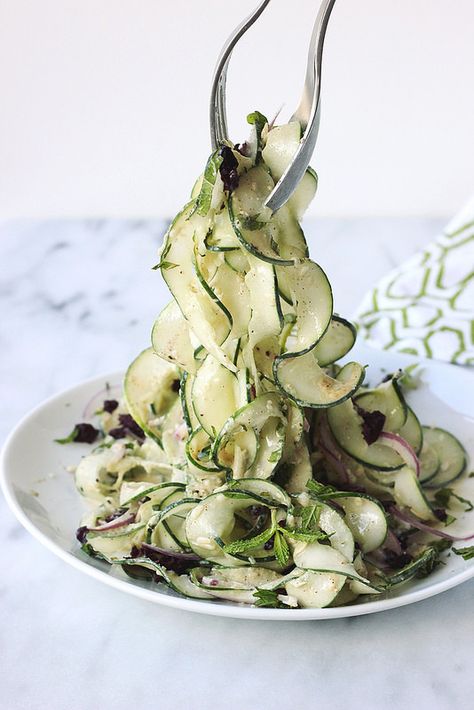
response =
{"points": [[242, 462]]}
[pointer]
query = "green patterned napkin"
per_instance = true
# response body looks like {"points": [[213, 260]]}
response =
{"points": [[426, 306]]}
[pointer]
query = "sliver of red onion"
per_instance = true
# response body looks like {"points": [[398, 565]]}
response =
{"points": [[328, 446], [403, 449], [124, 519], [406, 517]]}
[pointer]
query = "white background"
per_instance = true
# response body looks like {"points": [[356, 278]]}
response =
{"points": [[105, 102]]}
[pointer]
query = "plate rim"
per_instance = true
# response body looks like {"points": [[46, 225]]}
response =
{"points": [[212, 608]]}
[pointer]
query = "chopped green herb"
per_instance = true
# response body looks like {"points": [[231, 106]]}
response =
{"points": [[450, 519], [258, 120], [69, 438], [310, 517], [320, 490], [267, 598], [240, 546], [304, 535], [83, 433], [209, 180], [251, 224], [410, 378], [163, 256], [274, 456], [281, 549], [444, 495], [165, 265], [421, 566], [467, 553]]}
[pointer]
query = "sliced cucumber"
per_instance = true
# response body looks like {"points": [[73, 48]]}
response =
{"points": [[211, 523], [237, 260], [116, 544], [226, 288], [312, 300], [185, 390], [275, 238], [174, 433], [408, 493], [179, 583], [198, 453], [315, 557], [412, 431], [365, 518], [315, 590], [270, 491], [133, 491], [429, 463], [151, 388], [341, 537], [235, 584], [172, 519], [183, 585], [214, 395], [451, 454], [346, 427], [336, 341], [388, 399], [170, 338], [281, 145], [265, 417], [206, 319], [300, 468], [222, 236], [266, 319], [308, 385]]}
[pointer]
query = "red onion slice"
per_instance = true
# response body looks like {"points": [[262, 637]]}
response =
{"points": [[410, 519], [124, 519], [328, 447], [392, 543], [403, 448]]}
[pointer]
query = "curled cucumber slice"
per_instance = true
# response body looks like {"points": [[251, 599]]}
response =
{"points": [[151, 388], [451, 455], [309, 385]]}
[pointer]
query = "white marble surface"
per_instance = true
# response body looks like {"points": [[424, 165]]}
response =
{"points": [[78, 299]]}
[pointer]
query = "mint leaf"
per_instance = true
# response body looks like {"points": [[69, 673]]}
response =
{"points": [[467, 553], [67, 439], [267, 598], [251, 224], [274, 456], [258, 120], [165, 265], [421, 566], [209, 180], [444, 495], [320, 490], [163, 256], [239, 546], [410, 378], [310, 517], [303, 535], [281, 549]]}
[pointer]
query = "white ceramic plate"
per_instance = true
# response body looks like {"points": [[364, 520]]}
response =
{"points": [[41, 492]]}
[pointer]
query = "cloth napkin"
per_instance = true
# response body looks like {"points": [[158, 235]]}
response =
{"points": [[425, 307]]}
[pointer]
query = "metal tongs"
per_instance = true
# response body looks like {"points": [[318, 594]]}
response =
{"points": [[307, 113]]}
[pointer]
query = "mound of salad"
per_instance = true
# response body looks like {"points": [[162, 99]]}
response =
{"points": [[242, 462]]}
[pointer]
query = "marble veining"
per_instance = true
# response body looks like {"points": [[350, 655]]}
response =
{"points": [[78, 299]]}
